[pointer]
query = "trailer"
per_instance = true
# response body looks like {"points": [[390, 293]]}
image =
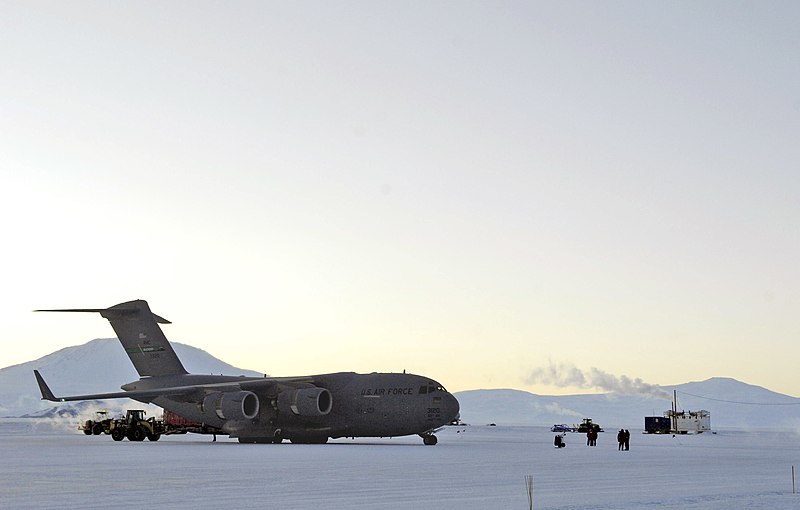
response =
{"points": [[657, 424], [176, 424], [689, 422]]}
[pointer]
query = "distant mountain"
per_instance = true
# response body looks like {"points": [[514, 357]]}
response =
{"points": [[97, 366], [732, 404]]}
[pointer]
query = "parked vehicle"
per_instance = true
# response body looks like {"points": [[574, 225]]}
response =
{"points": [[101, 424], [587, 425]]}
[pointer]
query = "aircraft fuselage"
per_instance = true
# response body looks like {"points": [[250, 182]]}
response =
{"points": [[362, 405]]}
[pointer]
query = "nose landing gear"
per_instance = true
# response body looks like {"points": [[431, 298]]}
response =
{"points": [[428, 439]]}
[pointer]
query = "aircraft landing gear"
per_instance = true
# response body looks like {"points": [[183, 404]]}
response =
{"points": [[429, 439]]}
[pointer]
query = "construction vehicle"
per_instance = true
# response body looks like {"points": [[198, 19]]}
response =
{"points": [[101, 424], [136, 427], [587, 425]]}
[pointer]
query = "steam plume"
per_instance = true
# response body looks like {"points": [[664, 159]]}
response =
{"points": [[566, 374]]}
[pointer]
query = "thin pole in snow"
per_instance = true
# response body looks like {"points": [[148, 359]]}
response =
{"points": [[529, 487], [793, 479]]}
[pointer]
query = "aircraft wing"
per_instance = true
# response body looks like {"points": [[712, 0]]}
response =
{"points": [[258, 385], [47, 394]]}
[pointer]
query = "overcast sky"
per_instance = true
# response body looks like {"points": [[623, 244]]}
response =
{"points": [[466, 190]]}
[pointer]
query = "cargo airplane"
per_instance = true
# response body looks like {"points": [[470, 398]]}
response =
{"points": [[304, 409]]}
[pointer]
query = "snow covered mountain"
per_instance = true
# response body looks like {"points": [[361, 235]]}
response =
{"points": [[733, 404], [97, 366]]}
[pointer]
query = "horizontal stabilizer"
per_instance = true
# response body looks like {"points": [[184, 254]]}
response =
{"points": [[116, 311]]}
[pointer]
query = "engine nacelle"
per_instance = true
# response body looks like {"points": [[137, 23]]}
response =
{"points": [[306, 401], [233, 405]]}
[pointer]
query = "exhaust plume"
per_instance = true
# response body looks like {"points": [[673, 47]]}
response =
{"points": [[566, 374]]}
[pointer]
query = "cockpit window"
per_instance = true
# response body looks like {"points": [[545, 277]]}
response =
{"points": [[433, 388]]}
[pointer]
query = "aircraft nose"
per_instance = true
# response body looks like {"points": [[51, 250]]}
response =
{"points": [[451, 407]]}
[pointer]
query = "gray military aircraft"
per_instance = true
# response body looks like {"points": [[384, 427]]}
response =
{"points": [[305, 409]]}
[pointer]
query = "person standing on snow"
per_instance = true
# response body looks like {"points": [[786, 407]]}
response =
{"points": [[591, 437]]}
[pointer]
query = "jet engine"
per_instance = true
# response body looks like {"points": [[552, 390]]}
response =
{"points": [[306, 401], [233, 405]]}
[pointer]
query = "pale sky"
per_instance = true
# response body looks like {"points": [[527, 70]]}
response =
{"points": [[465, 190]]}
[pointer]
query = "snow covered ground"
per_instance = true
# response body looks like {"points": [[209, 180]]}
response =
{"points": [[477, 467]]}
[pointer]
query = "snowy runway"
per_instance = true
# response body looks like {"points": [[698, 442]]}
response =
{"points": [[472, 468]]}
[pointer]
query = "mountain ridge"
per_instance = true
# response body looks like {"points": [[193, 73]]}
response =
{"points": [[732, 403]]}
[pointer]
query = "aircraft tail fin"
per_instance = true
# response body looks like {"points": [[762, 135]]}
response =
{"points": [[44, 388], [141, 337]]}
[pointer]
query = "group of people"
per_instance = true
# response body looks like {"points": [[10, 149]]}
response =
{"points": [[624, 439]]}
